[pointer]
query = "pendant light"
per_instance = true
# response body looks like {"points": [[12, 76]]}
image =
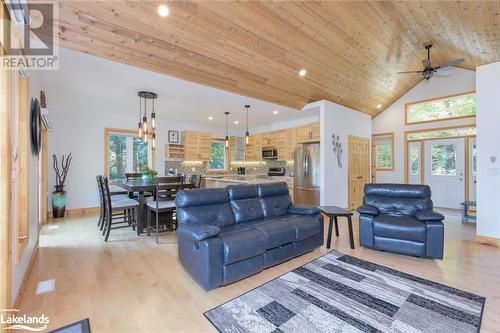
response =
{"points": [[227, 136], [247, 134], [147, 135]]}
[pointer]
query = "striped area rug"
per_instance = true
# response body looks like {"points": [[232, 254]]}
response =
{"points": [[340, 293]]}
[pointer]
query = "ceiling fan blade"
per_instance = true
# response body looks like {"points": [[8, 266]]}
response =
{"points": [[409, 72], [426, 63], [451, 63]]}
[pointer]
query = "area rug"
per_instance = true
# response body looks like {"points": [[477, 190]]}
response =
{"points": [[340, 293], [82, 326]]}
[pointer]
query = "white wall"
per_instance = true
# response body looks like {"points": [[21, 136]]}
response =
{"points": [[19, 270], [488, 149], [392, 119], [342, 121]]}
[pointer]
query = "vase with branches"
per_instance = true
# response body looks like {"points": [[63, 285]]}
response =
{"points": [[59, 195]]}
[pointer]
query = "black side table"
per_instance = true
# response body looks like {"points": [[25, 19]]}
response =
{"points": [[333, 213]]}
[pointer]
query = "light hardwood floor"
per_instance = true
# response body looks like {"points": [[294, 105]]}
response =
{"points": [[130, 284]]}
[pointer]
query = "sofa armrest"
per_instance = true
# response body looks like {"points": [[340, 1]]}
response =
{"points": [[198, 232], [368, 209], [303, 210], [429, 215]]}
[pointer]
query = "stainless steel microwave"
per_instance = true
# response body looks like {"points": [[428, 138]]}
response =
{"points": [[269, 153]]}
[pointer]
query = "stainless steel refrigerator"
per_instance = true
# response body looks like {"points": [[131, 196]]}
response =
{"points": [[306, 174]]}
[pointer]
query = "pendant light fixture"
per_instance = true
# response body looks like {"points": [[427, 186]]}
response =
{"points": [[145, 133], [227, 136], [247, 134]]}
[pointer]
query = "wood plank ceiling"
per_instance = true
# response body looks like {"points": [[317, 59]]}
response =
{"points": [[351, 50]]}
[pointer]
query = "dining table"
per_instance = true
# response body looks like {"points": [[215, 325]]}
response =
{"points": [[142, 186]]}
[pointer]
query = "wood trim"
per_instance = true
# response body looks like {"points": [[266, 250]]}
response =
{"points": [[435, 100], [490, 241], [44, 211], [107, 131], [466, 168], [5, 176], [81, 211], [375, 136], [27, 274], [432, 129]]}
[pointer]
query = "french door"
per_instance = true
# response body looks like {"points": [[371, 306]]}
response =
{"points": [[444, 171], [472, 169], [415, 162]]}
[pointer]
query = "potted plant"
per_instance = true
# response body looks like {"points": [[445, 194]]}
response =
{"points": [[59, 195], [148, 173]]}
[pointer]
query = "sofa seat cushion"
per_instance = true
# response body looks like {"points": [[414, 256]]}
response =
{"points": [[304, 226], [277, 232], [399, 227], [241, 244]]}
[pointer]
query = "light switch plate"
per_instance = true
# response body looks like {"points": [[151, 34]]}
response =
{"points": [[45, 286]]}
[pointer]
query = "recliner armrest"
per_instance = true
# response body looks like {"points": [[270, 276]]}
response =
{"points": [[198, 232], [368, 209], [303, 210], [429, 215]]}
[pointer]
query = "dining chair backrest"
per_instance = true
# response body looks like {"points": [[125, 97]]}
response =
{"points": [[99, 189], [196, 180], [133, 175], [167, 187], [107, 195]]}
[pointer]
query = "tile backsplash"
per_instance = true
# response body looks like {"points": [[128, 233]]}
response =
{"points": [[251, 168]]}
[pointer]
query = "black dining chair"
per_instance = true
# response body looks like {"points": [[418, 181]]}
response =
{"points": [[196, 180], [164, 202], [116, 221], [115, 196], [133, 176]]}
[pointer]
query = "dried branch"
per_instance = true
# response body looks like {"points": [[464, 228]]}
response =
{"points": [[65, 164]]}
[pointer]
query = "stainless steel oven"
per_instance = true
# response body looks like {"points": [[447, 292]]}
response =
{"points": [[269, 153]]}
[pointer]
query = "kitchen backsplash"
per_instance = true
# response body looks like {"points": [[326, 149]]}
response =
{"points": [[251, 168]]}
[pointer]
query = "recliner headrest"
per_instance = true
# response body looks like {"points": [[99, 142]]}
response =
{"points": [[242, 191], [399, 190], [199, 197], [272, 189]]}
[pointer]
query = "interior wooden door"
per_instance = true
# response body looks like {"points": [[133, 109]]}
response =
{"points": [[359, 169]]}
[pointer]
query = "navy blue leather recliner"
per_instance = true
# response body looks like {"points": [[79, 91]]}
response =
{"points": [[400, 218], [227, 234]]}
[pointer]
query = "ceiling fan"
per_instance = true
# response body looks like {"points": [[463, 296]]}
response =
{"points": [[429, 71]]}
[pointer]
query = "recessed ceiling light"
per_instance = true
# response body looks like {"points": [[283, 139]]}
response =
{"points": [[163, 10], [236, 122], [210, 118], [275, 112], [379, 106], [302, 72]]}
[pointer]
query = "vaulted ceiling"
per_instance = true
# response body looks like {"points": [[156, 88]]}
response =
{"points": [[351, 50]]}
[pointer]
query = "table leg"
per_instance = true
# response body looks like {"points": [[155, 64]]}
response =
{"points": [[140, 213], [329, 238], [351, 236], [336, 227]]}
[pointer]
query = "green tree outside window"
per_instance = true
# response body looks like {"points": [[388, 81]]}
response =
{"points": [[218, 156]]}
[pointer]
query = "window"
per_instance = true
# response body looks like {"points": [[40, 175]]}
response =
{"points": [[444, 160], [415, 161], [384, 151], [125, 153], [218, 156], [442, 133], [441, 109]]}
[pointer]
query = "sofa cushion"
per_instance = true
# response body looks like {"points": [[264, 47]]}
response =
{"points": [[304, 226], [242, 244], [274, 198], [204, 206], [402, 227], [245, 203], [277, 232]]}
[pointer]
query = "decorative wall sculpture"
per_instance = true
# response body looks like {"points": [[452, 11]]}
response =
{"points": [[337, 149]]}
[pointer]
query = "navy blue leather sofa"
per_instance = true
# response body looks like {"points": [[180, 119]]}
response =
{"points": [[400, 218], [227, 234]]}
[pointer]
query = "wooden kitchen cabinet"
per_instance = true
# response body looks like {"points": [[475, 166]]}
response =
{"points": [[253, 151], [308, 133], [197, 145], [237, 148]]}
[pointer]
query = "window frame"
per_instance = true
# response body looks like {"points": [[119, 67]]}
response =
{"points": [[128, 132], [227, 159], [436, 99], [377, 136]]}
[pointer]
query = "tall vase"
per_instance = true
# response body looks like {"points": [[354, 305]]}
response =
{"points": [[58, 202]]}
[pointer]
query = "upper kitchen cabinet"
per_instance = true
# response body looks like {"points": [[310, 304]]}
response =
{"points": [[253, 151], [308, 133], [237, 148], [197, 145]]}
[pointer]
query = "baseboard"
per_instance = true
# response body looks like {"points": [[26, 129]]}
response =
{"points": [[26, 277], [77, 212], [490, 241]]}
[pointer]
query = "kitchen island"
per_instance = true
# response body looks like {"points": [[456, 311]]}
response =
{"points": [[223, 181]]}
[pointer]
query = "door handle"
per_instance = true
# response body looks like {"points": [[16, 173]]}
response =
{"points": [[359, 177], [460, 179]]}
